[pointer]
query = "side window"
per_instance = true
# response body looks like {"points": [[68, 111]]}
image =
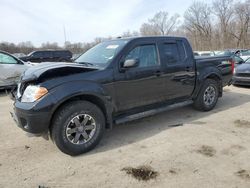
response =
{"points": [[174, 53], [171, 53], [47, 54], [66, 54], [36, 54], [6, 59], [57, 54], [182, 50], [146, 54]]}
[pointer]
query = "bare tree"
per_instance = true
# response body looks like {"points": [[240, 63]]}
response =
{"points": [[208, 26], [160, 24], [197, 21], [241, 25], [130, 34], [49, 45], [223, 9]]}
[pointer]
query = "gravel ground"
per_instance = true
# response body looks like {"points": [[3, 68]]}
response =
{"points": [[182, 148]]}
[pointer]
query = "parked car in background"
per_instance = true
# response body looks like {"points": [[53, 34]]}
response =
{"points": [[18, 55], [10, 70], [196, 54], [114, 82], [48, 56], [204, 53], [75, 56], [234, 54], [217, 52], [237, 60], [242, 74], [245, 54], [225, 53]]}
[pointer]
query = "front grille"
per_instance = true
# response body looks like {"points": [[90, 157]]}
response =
{"points": [[20, 89], [243, 74]]}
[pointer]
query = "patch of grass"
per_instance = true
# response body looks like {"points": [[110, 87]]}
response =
{"points": [[207, 151], [143, 173]]}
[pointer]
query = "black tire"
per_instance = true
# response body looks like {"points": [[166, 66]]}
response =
{"points": [[66, 117], [200, 103]]}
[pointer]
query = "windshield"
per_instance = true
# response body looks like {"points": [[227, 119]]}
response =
{"points": [[101, 54]]}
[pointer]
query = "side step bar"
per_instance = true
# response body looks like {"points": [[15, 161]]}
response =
{"points": [[152, 112]]}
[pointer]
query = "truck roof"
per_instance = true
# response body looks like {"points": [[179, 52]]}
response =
{"points": [[149, 37]]}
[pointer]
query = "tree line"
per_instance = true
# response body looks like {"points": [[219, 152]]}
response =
{"points": [[219, 25]]}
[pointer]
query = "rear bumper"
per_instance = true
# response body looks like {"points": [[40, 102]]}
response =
{"points": [[241, 81]]}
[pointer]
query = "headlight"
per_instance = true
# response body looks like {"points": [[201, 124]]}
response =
{"points": [[33, 93]]}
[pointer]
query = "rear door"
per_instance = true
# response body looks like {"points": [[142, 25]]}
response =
{"points": [[59, 55], [178, 67], [142, 85], [47, 56]]}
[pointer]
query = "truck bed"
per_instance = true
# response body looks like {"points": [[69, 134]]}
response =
{"points": [[224, 64]]}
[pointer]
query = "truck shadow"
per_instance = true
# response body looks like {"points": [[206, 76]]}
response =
{"points": [[132, 132]]}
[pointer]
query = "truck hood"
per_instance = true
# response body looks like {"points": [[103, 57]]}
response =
{"points": [[45, 71]]}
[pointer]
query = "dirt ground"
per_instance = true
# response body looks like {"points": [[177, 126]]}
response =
{"points": [[183, 147]]}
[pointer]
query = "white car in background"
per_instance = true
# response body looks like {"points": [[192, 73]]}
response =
{"points": [[204, 53], [10, 70]]}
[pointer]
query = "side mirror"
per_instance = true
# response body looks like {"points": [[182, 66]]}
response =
{"points": [[20, 62], [130, 63], [241, 62]]}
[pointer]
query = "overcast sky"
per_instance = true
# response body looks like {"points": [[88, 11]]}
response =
{"points": [[84, 20]]}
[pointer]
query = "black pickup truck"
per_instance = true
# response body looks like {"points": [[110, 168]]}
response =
{"points": [[114, 82]]}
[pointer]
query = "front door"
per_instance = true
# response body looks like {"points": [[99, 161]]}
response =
{"points": [[142, 85]]}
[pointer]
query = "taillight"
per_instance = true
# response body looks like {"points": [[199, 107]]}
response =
{"points": [[232, 65]]}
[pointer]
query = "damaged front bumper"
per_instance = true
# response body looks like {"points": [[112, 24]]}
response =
{"points": [[32, 117], [30, 121]]}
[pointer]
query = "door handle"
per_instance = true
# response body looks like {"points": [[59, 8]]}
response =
{"points": [[158, 73], [188, 69]]}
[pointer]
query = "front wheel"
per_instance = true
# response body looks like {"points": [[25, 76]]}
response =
{"points": [[208, 96], [78, 127]]}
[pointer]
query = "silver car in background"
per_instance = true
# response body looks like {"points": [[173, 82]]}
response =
{"points": [[10, 70]]}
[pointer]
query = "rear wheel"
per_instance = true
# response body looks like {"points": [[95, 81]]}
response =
{"points": [[208, 96], [78, 127]]}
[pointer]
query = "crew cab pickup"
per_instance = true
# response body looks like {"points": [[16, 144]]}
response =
{"points": [[114, 82]]}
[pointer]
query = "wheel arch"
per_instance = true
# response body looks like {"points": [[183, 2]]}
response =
{"points": [[218, 79], [98, 101], [208, 75]]}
